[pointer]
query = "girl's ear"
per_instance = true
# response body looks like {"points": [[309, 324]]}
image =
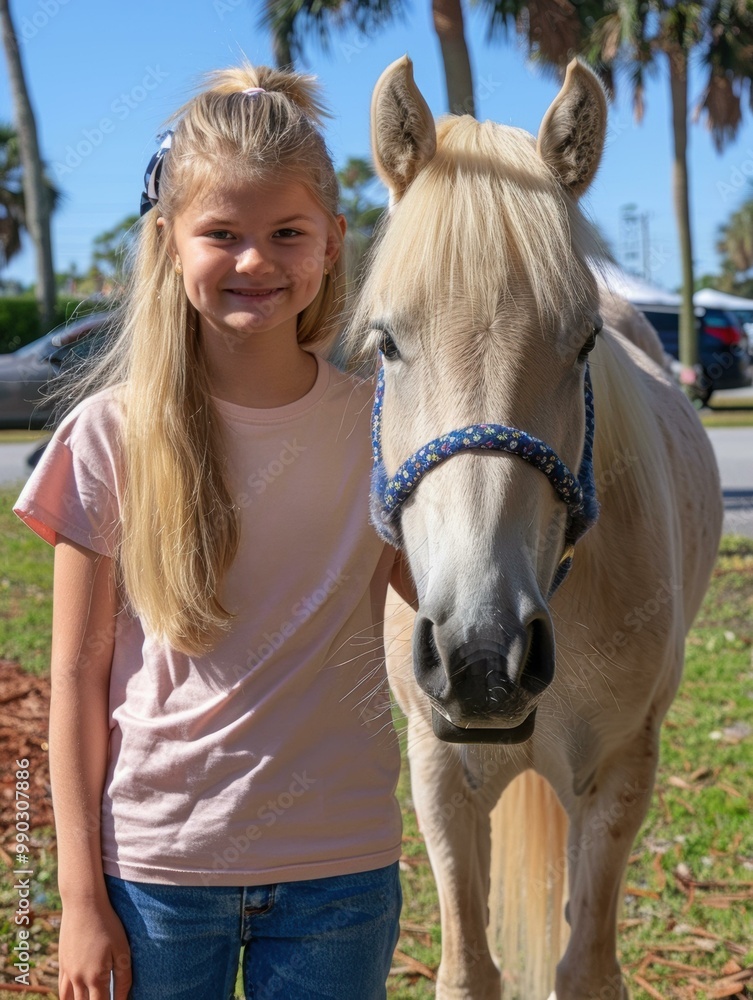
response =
{"points": [[571, 137], [403, 136]]}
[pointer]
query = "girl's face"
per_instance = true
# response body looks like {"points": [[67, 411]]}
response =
{"points": [[253, 257]]}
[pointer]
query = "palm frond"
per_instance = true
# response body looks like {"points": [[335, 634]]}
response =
{"points": [[294, 22]]}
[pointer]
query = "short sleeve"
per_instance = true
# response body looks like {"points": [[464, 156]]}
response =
{"points": [[73, 492]]}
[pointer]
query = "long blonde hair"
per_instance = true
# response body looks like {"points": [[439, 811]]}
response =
{"points": [[180, 527]]}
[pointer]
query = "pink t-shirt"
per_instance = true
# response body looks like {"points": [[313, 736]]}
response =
{"points": [[273, 758]]}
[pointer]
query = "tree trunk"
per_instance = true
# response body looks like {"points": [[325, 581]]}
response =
{"points": [[448, 24], [281, 53], [678, 79], [36, 195]]}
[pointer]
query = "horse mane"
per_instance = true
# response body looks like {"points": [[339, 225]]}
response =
{"points": [[496, 191]]}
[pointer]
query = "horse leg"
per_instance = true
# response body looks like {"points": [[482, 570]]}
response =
{"points": [[454, 819], [604, 821]]}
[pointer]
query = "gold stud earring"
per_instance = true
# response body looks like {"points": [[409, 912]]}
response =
{"points": [[178, 268], [326, 270]]}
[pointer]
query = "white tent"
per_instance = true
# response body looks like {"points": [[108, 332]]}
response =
{"points": [[636, 290], [709, 298]]}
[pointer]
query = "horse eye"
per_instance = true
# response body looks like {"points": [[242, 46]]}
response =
{"points": [[591, 342], [388, 347]]}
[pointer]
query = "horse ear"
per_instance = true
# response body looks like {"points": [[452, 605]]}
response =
{"points": [[571, 137], [403, 136]]}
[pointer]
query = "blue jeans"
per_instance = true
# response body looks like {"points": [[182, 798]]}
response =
{"points": [[321, 939]]}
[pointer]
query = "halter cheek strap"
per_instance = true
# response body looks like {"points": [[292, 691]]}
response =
{"points": [[389, 493]]}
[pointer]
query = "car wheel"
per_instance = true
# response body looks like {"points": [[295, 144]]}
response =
{"points": [[33, 459]]}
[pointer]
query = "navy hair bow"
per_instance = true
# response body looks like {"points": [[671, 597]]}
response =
{"points": [[150, 194]]}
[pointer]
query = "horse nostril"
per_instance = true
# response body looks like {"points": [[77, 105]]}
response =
{"points": [[538, 667], [426, 657]]}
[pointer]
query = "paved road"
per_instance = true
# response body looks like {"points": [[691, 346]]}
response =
{"points": [[733, 447], [13, 467]]}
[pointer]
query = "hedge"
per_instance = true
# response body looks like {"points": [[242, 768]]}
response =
{"points": [[20, 322]]}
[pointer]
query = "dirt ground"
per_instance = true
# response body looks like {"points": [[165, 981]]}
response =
{"points": [[24, 710]]}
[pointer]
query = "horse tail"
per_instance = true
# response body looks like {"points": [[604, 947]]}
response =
{"points": [[528, 885]]}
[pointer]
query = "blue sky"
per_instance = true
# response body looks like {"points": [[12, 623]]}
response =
{"points": [[104, 76]]}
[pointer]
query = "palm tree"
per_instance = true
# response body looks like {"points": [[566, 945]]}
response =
{"points": [[12, 214], [553, 30], [292, 21], [636, 35], [110, 249], [735, 244], [12, 201], [357, 180], [38, 207]]}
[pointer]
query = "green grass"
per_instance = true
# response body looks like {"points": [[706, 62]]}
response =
{"points": [[21, 437], [25, 591], [727, 417], [699, 822]]}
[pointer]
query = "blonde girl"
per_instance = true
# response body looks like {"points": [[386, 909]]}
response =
{"points": [[222, 759]]}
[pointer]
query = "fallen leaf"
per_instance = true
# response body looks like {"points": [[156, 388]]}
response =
{"points": [[679, 783]]}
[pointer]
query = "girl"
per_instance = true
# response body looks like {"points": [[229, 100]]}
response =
{"points": [[222, 759]]}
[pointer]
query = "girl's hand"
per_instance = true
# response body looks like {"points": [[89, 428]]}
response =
{"points": [[92, 945]]}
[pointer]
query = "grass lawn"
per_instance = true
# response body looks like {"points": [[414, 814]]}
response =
{"points": [[727, 418], [21, 437], [689, 896]]}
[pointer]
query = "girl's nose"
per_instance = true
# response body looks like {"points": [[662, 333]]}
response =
{"points": [[253, 260]]}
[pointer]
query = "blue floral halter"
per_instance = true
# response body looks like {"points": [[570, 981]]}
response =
{"points": [[389, 493]]}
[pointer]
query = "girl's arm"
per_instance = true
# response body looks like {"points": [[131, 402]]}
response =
{"points": [[401, 581], [92, 939]]}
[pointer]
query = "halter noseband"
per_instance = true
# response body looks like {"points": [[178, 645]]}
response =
{"points": [[389, 493]]}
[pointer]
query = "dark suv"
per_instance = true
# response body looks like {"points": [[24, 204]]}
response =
{"points": [[26, 373], [722, 345]]}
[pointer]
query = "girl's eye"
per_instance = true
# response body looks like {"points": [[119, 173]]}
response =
{"points": [[220, 234], [388, 347], [591, 342], [287, 233]]}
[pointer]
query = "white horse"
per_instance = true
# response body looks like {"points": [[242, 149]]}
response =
{"points": [[484, 307]]}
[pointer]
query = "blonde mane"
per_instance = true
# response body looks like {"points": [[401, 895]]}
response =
{"points": [[486, 186]]}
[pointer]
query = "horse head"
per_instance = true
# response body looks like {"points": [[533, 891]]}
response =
{"points": [[482, 305]]}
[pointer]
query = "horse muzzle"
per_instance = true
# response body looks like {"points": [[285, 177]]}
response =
{"points": [[485, 687]]}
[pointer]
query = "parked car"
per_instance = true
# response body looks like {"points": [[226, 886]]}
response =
{"points": [[26, 374], [722, 346]]}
